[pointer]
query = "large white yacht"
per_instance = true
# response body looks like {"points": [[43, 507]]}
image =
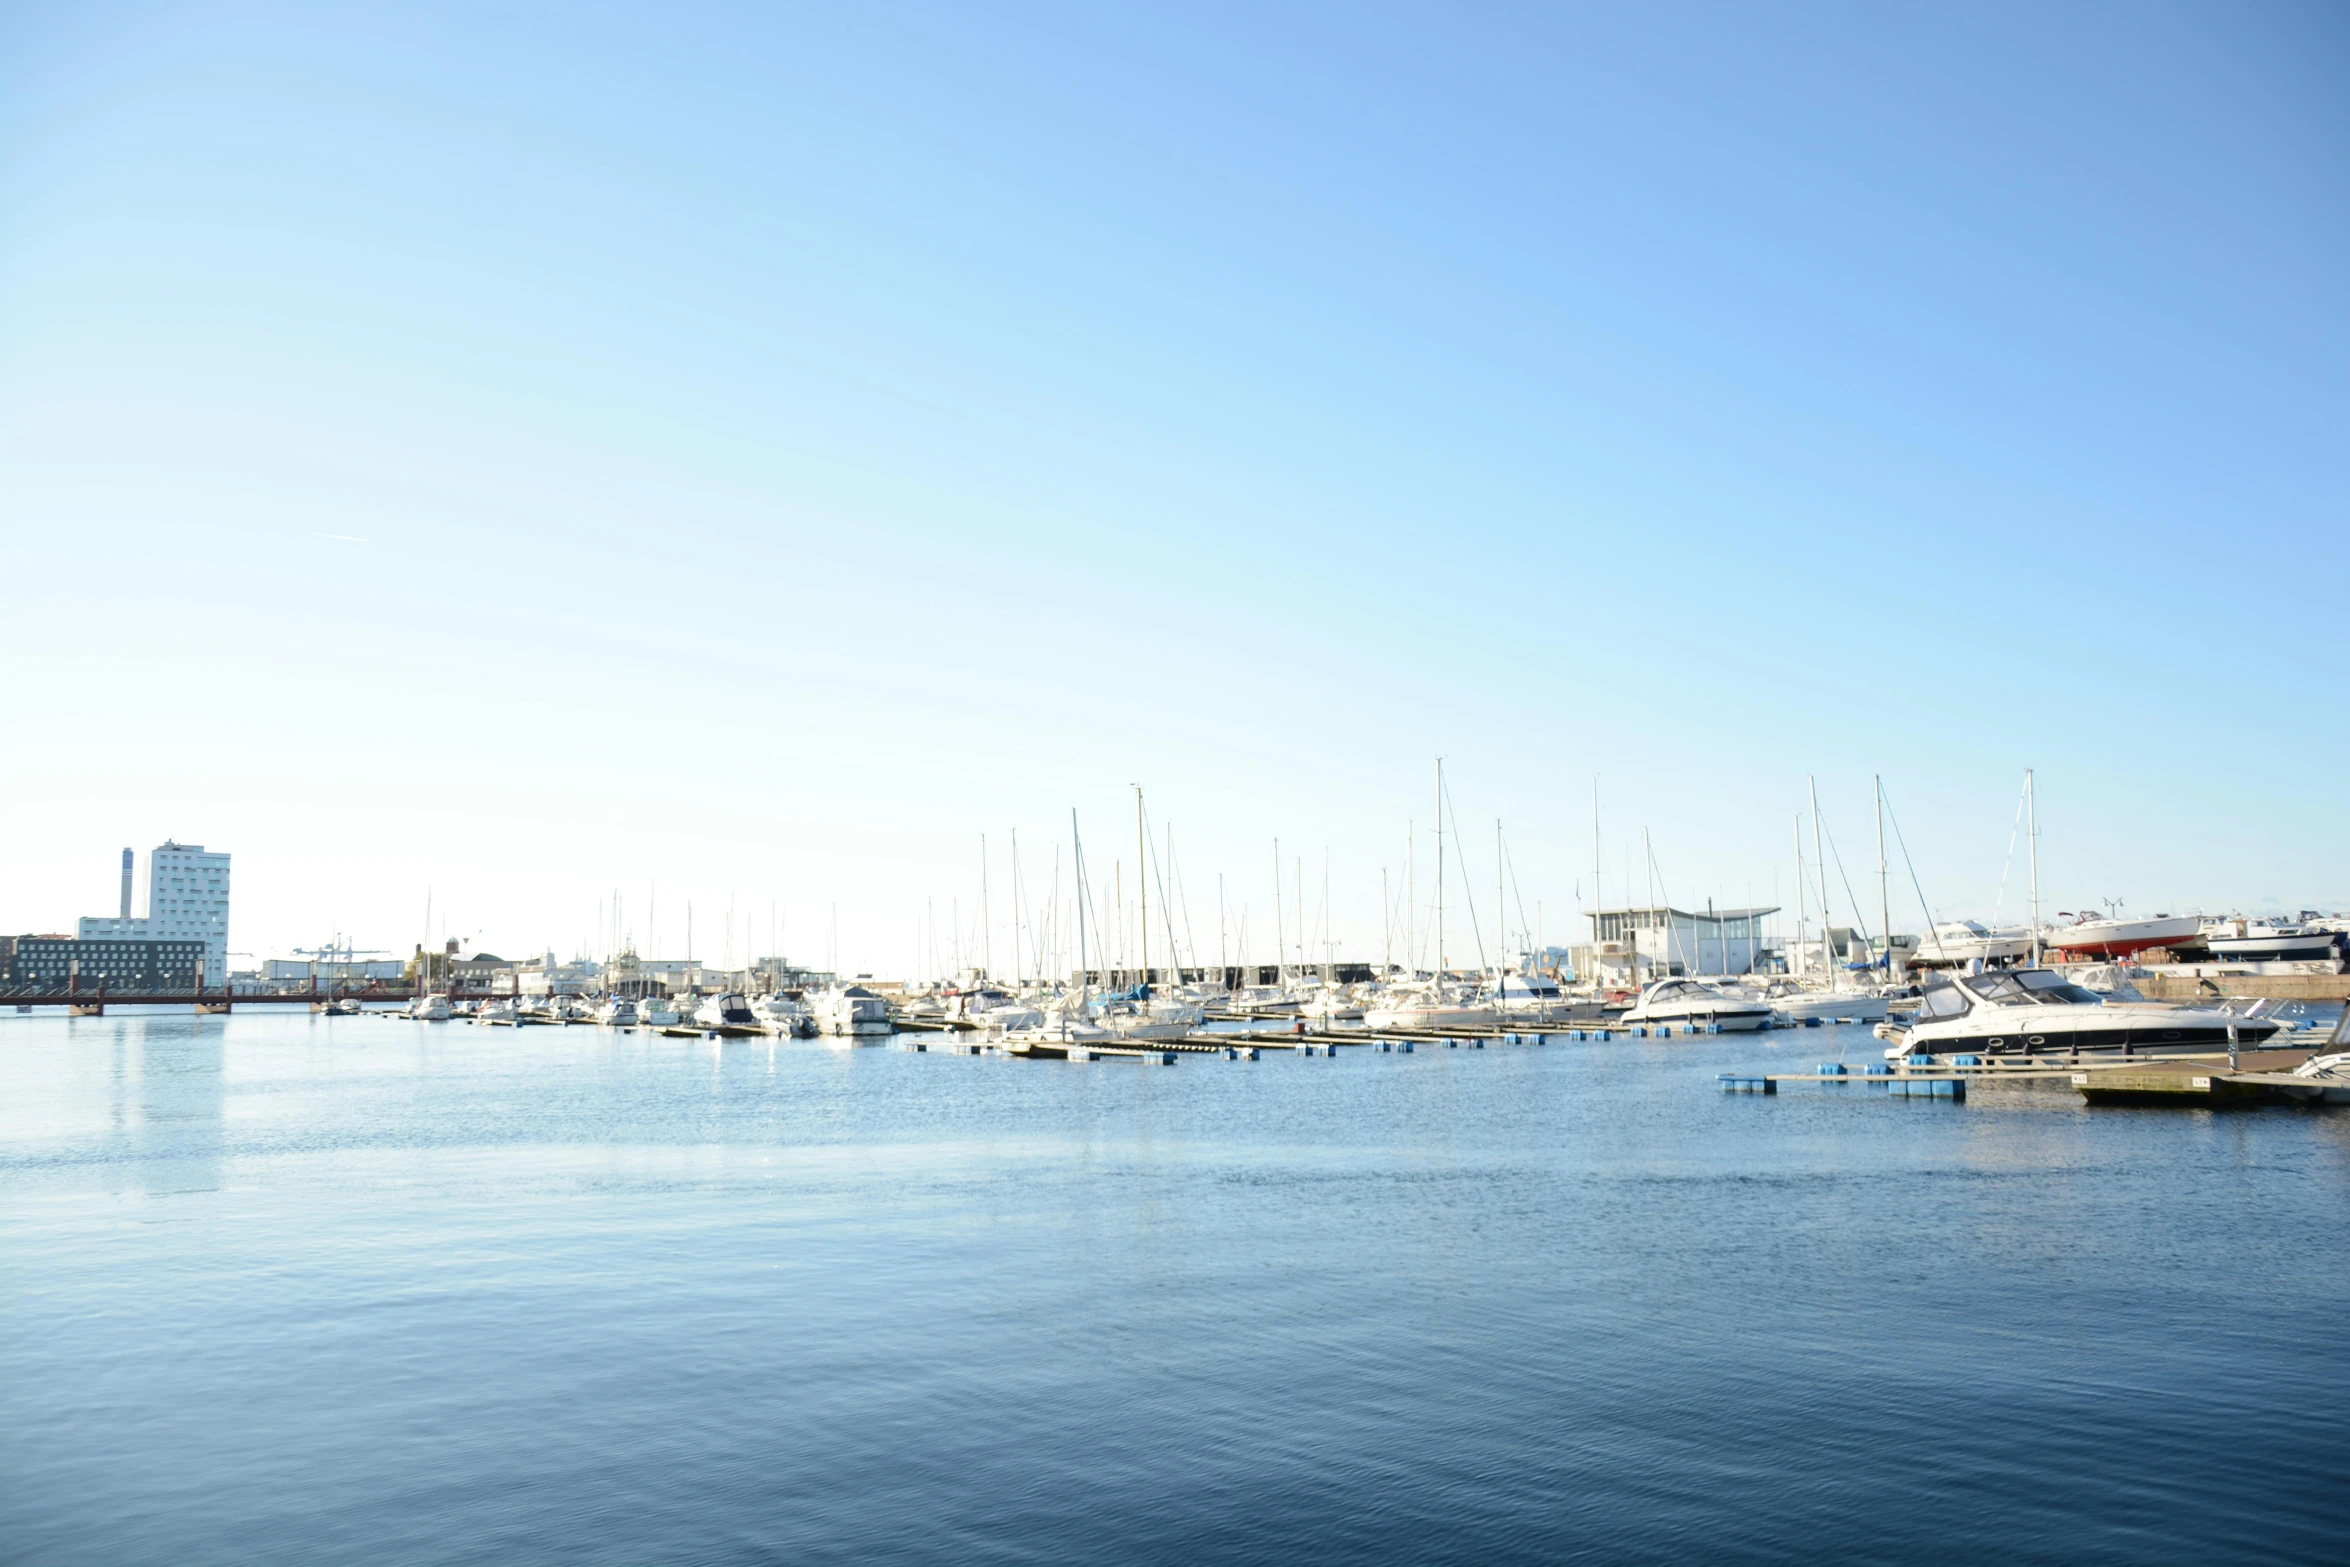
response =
{"points": [[619, 1012], [430, 1009], [659, 1012], [1690, 1003], [2040, 1012]]}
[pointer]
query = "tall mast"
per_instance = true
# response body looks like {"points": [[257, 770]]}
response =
{"points": [[986, 946], [1820, 853], [1077, 849], [1386, 928], [1440, 868], [1597, 902], [1799, 892], [1016, 965], [1142, 885], [1672, 937], [1501, 908], [2032, 831], [1884, 898], [1280, 935], [1411, 894]]}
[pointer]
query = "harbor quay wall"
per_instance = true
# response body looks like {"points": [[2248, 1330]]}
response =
{"points": [[2279, 987]]}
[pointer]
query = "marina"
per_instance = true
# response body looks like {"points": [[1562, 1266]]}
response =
{"points": [[1521, 1246]]}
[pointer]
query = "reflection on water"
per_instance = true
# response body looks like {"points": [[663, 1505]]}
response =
{"points": [[166, 1098], [287, 1289]]}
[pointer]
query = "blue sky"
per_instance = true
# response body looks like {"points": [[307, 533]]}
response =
{"points": [[532, 451]]}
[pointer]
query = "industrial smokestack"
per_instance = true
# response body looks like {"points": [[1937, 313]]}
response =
{"points": [[126, 884]]}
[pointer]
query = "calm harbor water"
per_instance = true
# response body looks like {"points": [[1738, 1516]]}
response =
{"points": [[285, 1289]]}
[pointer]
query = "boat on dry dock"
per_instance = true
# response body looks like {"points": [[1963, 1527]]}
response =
{"points": [[2097, 937], [2236, 940]]}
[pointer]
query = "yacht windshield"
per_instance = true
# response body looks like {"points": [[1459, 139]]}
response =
{"points": [[2033, 987], [2053, 989], [1999, 989]]}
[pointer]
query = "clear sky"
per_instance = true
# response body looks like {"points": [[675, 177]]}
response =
{"points": [[526, 451]]}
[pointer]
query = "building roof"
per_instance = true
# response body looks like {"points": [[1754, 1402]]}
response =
{"points": [[1687, 914]]}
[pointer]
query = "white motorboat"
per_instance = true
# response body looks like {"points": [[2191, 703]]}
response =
{"points": [[786, 1016], [1140, 1017], [1430, 1006], [1014, 1018], [1956, 943], [1061, 1030], [430, 1009], [505, 1012], [729, 1016], [2328, 1076], [619, 1012], [2096, 937], [1800, 1006], [343, 1006], [971, 1004], [2040, 1012], [1691, 1003], [1532, 998], [658, 1012], [1262, 1001], [2271, 941], [1331, 1004], [851, 1009]]}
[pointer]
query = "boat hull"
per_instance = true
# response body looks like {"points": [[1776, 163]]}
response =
{"points": [[2120, 938]]}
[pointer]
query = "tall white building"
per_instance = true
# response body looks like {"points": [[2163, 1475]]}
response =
{"points": [[187, 900]]}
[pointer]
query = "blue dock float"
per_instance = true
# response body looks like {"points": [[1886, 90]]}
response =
{"points": [[1167, 1058], [1921, 1059], [1831, 1069], [1406, 1045], [1966, 1060], [1746, 1083], [1880, 1069], [1811, 1022], [1386, 1045], [1927, 1088]]}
